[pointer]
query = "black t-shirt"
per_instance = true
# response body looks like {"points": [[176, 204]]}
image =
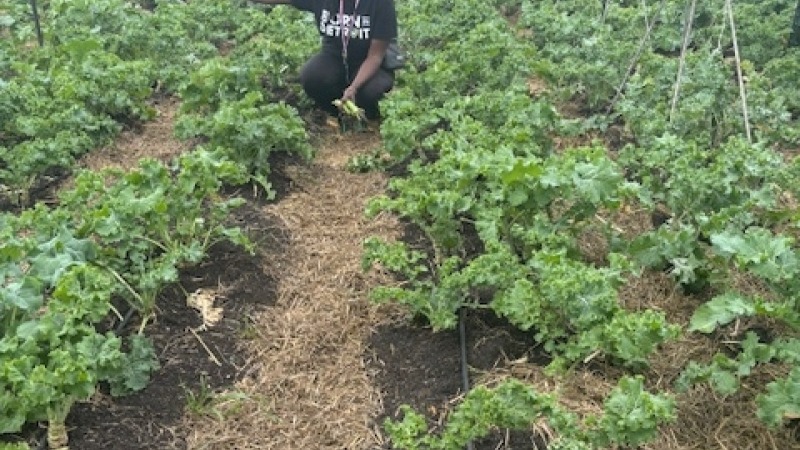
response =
{"points": [[374, 19]]}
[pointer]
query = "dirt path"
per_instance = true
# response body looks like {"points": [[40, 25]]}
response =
{"points": [[309, 386], [155, 139]]}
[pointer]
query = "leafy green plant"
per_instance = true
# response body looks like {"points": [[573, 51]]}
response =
{"points": [[724, 372], [707, 194], [501, 213], [14, 446], [64, 101], [53, 356], [502, 200], [631, 416], [205, 402], [248, 131], [781, 402], [115, 234], [154, 220]]}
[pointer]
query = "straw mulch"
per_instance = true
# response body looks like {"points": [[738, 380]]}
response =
{"points": [[153, 139], [705, 420], [308, 387]]}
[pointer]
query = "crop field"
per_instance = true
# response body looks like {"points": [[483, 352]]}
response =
{"points": [[575, 227]]}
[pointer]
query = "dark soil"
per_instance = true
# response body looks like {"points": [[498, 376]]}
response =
{"points": [[280, 183], [43, 190], [415, 366], [149, 419]]}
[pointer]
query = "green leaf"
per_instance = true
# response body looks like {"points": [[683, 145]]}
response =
{"points": [[25, 295], [730, 244], [139, 363], [28, 330], [721, 310], [632, 415], [781, 401], [724, 382], [6, 20]]}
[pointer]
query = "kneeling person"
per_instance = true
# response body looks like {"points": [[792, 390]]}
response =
{"points": [[355, 37]]}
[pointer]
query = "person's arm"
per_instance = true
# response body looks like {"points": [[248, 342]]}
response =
{"points": [[375, 54]]}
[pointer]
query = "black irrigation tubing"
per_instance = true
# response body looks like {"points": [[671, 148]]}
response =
{"points": [[41, 440], [37, 24], [125, 319], [462, 338]]}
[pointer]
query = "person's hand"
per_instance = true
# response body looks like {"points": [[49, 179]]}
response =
{"points": [[349, 93]]}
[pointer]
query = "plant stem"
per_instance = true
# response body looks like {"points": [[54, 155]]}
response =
{"points": [[125, 283]]}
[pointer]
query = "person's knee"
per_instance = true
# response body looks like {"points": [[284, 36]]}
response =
{"points": [[369, 96], [316, 81], [377, 87], [319, 76]]}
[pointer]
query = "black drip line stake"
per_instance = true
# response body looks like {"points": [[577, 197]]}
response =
{"points": [[124, 321], [462, 338], [36, 23]]}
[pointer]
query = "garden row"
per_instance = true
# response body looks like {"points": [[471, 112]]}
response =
{"points": [[506, 205], [73, 273]]}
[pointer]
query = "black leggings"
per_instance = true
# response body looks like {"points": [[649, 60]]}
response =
{"points": [[323, 79]]}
